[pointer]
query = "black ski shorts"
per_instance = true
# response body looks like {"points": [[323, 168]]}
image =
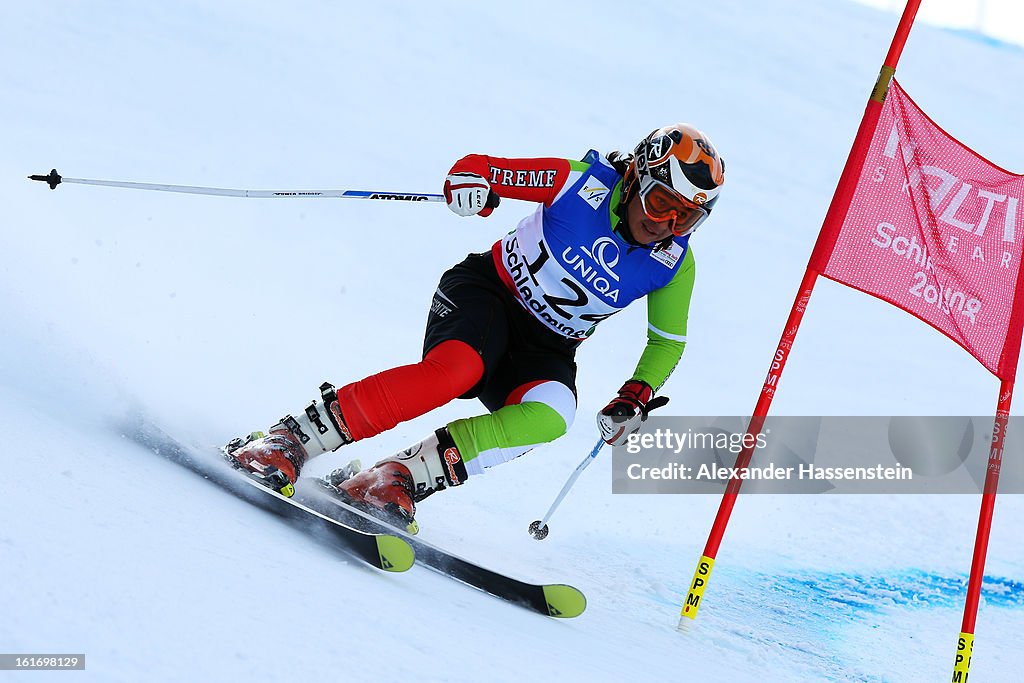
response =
{"points": [[471, 304]]}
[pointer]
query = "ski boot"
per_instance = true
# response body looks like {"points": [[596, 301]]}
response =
{"points": [[274, 459], [277, 458], [390, 489]]}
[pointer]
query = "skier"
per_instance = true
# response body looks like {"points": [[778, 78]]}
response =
{"points": [[504, 325]]}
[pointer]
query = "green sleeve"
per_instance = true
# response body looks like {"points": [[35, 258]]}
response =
{"points": [[667, 311]]}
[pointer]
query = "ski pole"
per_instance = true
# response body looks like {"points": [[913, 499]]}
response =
{"points": [[539, 529], [53, 179]]}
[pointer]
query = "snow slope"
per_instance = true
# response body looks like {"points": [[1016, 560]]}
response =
{"points": [[214, 316]]}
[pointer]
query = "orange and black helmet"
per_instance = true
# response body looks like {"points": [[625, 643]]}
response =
{"points": [[678, 174]]}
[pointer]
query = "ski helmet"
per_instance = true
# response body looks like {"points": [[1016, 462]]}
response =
{"points": [[677, 174]]}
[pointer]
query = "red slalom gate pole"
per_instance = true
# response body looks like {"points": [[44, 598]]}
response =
{"points": [[965, 644], [838, 207], [707, 560]]}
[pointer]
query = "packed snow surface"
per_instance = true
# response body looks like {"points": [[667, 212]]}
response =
{"points": [[214, 316]]}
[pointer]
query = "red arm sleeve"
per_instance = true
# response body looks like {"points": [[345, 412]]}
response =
{"points": [[535, 180]]}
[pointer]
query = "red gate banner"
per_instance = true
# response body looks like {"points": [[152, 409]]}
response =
{"points": [[936, 230]]}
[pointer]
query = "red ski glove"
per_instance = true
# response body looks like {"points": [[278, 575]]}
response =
{"points": [[469, 194], [627, 411]]}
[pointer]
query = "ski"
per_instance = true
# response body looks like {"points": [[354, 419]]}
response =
{"points": [[365, 537], [553, 600], [379, 548]]}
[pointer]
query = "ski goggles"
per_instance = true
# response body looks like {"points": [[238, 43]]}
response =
{"points": [[662, 203]]}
